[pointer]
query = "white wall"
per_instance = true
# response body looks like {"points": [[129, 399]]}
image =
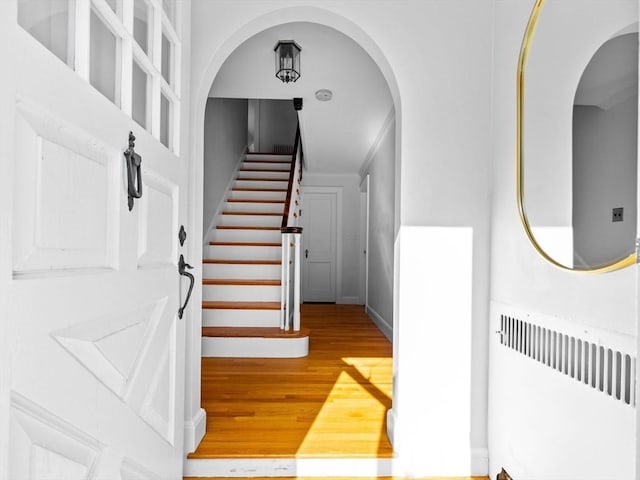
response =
{"points": [[436, 58], [604, 177], [536, 427], [381, 170], [348, 283], [278, 122], [225, 140]]}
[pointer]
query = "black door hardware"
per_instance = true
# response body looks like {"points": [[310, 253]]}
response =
{"points": [[182, 266], [182, 235], [134, 171]]}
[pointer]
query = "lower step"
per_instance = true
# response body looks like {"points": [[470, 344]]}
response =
{"points": [[240, 314], [254, 342]]}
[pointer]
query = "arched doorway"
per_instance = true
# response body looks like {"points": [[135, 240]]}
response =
{"points": [[381, 129]]}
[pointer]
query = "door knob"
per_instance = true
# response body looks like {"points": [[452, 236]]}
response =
{"points": [[306, 253]]}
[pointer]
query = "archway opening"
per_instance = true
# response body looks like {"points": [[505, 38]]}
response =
{"points": [[346, 140]]}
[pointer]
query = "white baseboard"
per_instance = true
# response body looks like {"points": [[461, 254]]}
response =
{"points": [[479, 461], [194, 430], [289, 467], [381, 323], [249, 347], [391, 422], [349, 301]]}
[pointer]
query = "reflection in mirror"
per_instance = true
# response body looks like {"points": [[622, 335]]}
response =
{"points": [[605, 149], [576, 132]]}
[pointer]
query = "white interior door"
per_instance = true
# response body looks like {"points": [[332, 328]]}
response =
{"points": [[319, 217], [97, 350]]}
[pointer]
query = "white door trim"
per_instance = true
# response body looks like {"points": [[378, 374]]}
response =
{"points": [[338, 193], [364, 225]]}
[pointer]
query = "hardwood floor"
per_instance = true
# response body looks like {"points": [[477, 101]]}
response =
{"points": [[332, 403]]}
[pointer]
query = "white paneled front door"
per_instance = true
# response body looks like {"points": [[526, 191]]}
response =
{"points": [[96, 348], [319, 218]]}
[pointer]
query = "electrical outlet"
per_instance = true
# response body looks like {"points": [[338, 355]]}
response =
{"points": [[617, 214]]}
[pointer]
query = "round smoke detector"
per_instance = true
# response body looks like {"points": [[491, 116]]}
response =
{"points": [[324, 95]]}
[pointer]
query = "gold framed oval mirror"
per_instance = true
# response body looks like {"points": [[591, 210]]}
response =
{"points": [[578, 133]]}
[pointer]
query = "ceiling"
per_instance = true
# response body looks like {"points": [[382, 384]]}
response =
{"points": [[611, 76], [338, 134]]}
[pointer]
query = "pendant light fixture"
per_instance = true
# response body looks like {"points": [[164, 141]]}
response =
{"points": [[287, 60]]}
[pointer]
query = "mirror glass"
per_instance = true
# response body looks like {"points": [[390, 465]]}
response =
{"points": [[579, 111]]}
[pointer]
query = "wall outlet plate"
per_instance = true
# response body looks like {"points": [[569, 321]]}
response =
{"points": [[617, 214]]}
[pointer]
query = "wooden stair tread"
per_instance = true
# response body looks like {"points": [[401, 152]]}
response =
{"points": [[253, 189], [246, 244], [220, 305], [241, 262], [253, 332], [266, 179], [238, 281], [273, 214], [270, 153], [245, 227], [250, 200], [265, 170], [268, 160]]}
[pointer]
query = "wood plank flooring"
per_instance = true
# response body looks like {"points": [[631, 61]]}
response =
{"points": [[345, 478], [332, 403]]}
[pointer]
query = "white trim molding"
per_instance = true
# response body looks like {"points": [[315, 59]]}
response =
{"points": [[385, 327], [194, 430], [388, 121]]}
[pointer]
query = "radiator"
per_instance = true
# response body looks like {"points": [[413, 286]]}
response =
{"points": [[602, 367], [282, 149]]}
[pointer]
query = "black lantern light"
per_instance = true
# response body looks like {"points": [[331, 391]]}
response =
{"points": [[287, 60]]}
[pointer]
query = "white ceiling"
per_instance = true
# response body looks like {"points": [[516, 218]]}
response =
{"points": [[337, 135], [612, 74]]}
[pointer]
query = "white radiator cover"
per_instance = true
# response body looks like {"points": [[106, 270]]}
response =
{"points": [[561, 398]]}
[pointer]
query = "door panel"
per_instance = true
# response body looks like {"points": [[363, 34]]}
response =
{"points": [[96, 385], [319, 245]]}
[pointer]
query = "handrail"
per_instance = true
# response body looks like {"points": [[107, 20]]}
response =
{"points": [[294, 156], [291, 245]]}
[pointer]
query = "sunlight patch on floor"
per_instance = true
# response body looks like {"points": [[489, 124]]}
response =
{"points": [[362, 393]]}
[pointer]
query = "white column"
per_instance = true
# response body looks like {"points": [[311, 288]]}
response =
{"points": [[296, 286]]}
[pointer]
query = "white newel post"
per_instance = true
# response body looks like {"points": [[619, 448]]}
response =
{"points": [[297, 237], [284, 275]]}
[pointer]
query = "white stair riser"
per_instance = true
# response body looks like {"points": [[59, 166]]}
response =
{"points": [[268, 156], [233, 235], [255, 347], [223, 270], [267, 165], [251, 220], [244, 194], [281, 185], [240, 318], [255, 207], [241, 293], [284, 176], [225, 252]]}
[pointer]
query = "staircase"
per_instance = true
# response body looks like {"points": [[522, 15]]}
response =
{"points": [[242, 271]]}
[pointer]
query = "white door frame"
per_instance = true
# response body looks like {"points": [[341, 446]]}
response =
{"points": [[337, 191], [202, 80], [364, 232]]}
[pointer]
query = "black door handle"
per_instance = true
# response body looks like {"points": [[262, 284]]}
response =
{"points": [[306, 253], [182, 266], [134, 171]]}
